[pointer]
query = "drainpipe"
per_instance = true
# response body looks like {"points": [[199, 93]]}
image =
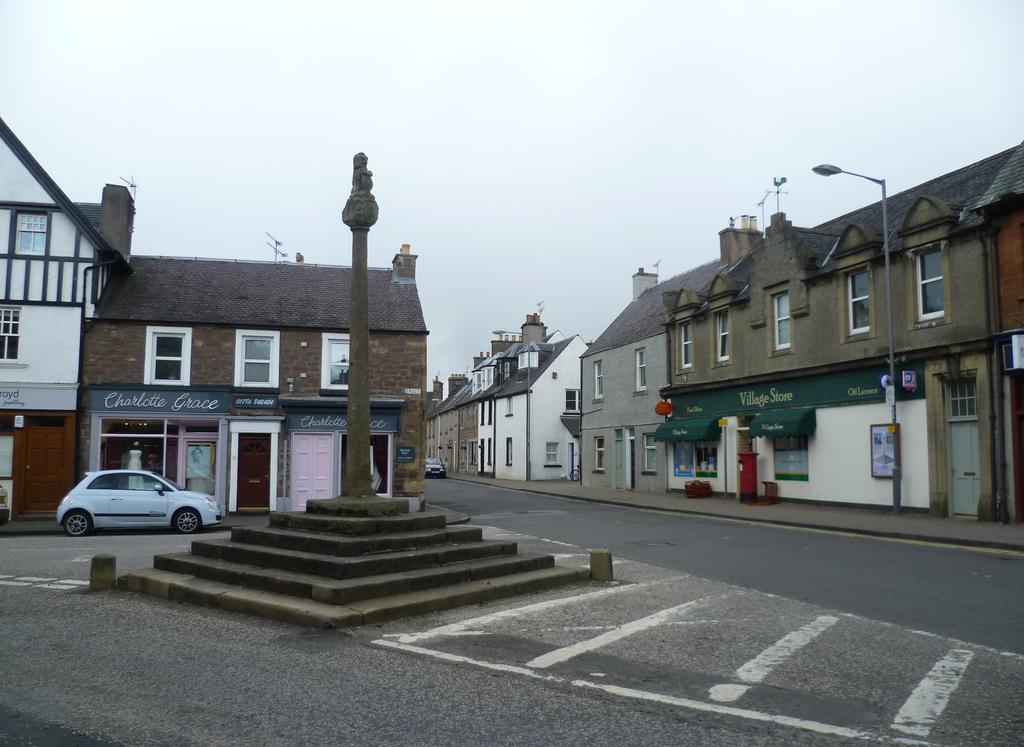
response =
{"points": [[995, 378], [579, 447], [528, 412]]}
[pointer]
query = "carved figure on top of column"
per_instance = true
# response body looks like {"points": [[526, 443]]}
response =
{"points": [[361, 208]]}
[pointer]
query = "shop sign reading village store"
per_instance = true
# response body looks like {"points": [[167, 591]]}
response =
{"points": [[826, 390], [177, 401]]}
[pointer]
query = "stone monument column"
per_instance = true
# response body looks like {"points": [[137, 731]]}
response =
{"points": [[359, 215]]}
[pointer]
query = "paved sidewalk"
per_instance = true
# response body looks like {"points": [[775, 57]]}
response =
{"points": [[21, 527], [911, 526]]}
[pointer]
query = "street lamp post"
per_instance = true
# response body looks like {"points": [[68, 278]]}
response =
{"points": [[827, 169]]}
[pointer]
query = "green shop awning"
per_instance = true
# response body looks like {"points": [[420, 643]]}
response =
{"points": [[783, 423], [695, 429]]}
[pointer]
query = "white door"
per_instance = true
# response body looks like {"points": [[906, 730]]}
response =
{"points": [[312, 462], [965, 485]]}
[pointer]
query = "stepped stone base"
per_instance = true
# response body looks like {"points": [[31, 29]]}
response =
{"points": [[344, 562]]}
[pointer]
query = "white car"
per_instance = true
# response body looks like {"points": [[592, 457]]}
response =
{"points": [[124, 498]]}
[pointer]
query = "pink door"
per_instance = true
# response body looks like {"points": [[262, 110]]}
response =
{"points": [[312, 467]]}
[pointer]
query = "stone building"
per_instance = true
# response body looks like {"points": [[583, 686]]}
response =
{"points": [[783, 353], [232, 377], [1002, 206], [623, 370]]}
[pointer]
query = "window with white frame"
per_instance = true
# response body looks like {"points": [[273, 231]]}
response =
{"points": [[10, 333], [931, 301], [31, 237], [256, 357], [168, 355], [859, 308], [650, 453], [598, 452], [686, 345], [572, 400], [551, 452], [334, 360], [722, 331], [963, 399], [780, 308], [598, 380], [640, 357]]}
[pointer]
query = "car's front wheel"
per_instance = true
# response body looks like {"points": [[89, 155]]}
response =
{"points": [[187, 521], [77, 523]]}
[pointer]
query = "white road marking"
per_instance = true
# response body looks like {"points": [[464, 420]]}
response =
{"points": [[755, 670], [62, 587], [459, 627], [15, 583], [34, 579], [696, 705], [927, 634], [561, 655], [931, 695], [82, 559], [2, 575], [73, 582]]}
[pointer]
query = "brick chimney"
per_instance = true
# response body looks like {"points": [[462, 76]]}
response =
{"points": [[403, 266], [736, 243], [456, 382], [478, 359], [117, 217], [533, 330], [643, 281], [503, 341]]}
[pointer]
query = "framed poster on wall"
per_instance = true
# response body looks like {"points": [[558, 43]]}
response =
{"points": [[885, 446]]}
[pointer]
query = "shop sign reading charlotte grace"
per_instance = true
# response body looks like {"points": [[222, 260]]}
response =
{"points": [[827, 390], [182, 401]]}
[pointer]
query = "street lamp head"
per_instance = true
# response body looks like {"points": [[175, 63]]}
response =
{"points": [[827, 169]]}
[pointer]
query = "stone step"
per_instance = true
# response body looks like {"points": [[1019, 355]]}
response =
{"points": [[181, 587], [339, 545], [357, 526], [334, 566], [348, 590]]}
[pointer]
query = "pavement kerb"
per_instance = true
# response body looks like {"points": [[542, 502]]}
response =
{"points": [[38, 527], [909, 536]]}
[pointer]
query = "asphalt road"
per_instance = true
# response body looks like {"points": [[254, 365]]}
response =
{"points": [[695, 643], [971, 595]]}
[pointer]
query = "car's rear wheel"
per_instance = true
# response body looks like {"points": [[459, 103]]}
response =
{"points": [[77, 523], [187, 521]]}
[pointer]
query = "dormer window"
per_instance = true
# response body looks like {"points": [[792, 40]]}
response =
{"points": [[528, 359]]}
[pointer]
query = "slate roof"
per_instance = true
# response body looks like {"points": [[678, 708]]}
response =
{"points": [[961, 189], [516, 383], [461, 397], [91, 212], [644, 317], [1009, 182], [256, 294]]}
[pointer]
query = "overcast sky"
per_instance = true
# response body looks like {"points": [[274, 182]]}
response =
{"points": [[529, 152]]}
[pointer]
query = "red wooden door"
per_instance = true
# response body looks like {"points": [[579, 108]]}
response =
{"points": [[253, 472], [44, 468]]}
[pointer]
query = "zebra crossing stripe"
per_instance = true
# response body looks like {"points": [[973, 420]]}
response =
{"points": [[931, 695], [755, 670]]}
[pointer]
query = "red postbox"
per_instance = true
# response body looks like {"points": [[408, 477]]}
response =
{"points": [[748, 476]]}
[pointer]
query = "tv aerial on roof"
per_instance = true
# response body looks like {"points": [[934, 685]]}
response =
{"points": [[276, 246], [130, 181]]}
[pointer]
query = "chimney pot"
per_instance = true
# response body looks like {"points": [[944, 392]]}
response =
{"points": [[403, 266]]}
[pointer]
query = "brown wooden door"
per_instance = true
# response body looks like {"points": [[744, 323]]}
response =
{"points": [[253, 473], [45, 482]]}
